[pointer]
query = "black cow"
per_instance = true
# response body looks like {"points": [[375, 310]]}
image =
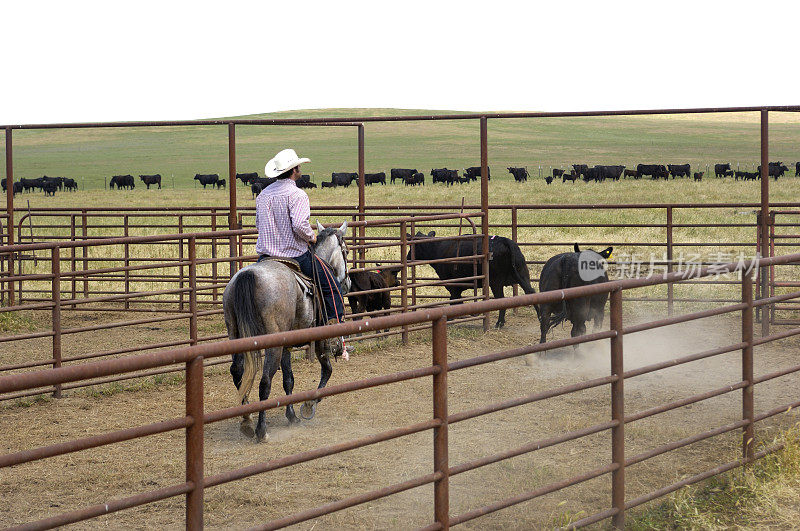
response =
{"points": [[568, 270], [631, 173], [747, 175], [679, 170], [571, 176], [375, 178], [263, 182], [776, 169], [722, 170], [70, 184], [327, 184], [17, 188], [549, 178], [655, 171], [521, 174], [256, 188], [343, 178], [413, 180], [369, 280], [220, 184], [50, 188], [400, 173], [698, 176], [473, 172], [557, 173], [305, 182], [580, 169], [151, 179], [443, 175], [59, 182], [29, 184], [121, 181], [797, 169], [506, 264], [610, 172], [594, 174], [205, 179], [247, 177]]}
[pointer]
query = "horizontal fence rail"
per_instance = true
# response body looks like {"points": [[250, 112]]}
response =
{"points": [[194, 356]]}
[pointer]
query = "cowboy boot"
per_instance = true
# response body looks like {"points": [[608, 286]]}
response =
{"points": [[334, 345]]}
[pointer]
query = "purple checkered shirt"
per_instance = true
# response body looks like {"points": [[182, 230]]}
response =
{"points": [[282, 213]]}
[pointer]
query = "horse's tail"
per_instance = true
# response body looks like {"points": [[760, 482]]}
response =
{"points": [[248, 323]]}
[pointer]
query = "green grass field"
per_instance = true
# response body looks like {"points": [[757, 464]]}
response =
{"points": [[93, 155]]}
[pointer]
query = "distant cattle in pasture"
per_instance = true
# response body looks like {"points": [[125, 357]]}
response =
{"points": [[151, 179], [570, 176], [71, 185], [474, 172], [549, 178], [206, 178], [521, 174], [723, 170], [247, 178], [655, 171], [631, 173], [375, 178], [413, 180], [679, 170], [220, 184], [698, 175], [400, 173], [343, 178], [797, 169], [580, 169], [328, 184], [443, 175], [122, 181], [50, 188], [557, 172], [305, 182], [256, 188], [776, 169]]}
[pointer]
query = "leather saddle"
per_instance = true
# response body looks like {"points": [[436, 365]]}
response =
{"points": [[305, 283]]}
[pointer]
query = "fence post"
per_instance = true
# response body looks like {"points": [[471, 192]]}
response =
{"points": [[85, 232], [404, 275], [127, 263], [73, 262], [193, 289], [617, 413], [485, 210], [362, 230], [670, 285], [413, 267], [194, 443], [514, 238], [180, 267], [771, 279], [747, 365], [441, 495], [232, 213], [214, 253], [762, 275], [55, 269], [10, 211]]}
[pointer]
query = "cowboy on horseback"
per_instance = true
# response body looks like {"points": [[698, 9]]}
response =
{"points": [[282, 219]]}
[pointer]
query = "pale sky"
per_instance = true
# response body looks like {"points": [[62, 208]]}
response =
{"points": [[106, 61]]}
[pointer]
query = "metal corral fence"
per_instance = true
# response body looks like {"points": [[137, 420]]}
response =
{"points": [[194, 357], [178, 281], [664, 236]]}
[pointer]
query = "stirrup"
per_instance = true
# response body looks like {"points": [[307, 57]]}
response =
{"points": [[334, 345]]}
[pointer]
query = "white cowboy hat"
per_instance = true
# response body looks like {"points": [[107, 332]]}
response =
{"points": [[283, 161]]}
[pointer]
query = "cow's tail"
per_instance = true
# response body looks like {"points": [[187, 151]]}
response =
{"points": [[520, 273], [247, 323], [558, 318]]}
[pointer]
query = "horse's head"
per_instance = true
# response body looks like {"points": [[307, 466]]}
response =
{"points": [[332, 248]]}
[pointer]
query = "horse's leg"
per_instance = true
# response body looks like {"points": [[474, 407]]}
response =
{"points": [[288, 383], [271, 362], [237, 370], [309, 409]]}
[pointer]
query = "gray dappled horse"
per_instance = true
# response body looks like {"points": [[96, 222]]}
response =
{"points": [[265, 298]]}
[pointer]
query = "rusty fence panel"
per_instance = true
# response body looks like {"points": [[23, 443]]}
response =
{"points": [[193, 357]]}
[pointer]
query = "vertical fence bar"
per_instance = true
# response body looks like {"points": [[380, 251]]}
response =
{"points": [[193, 290], [10, 211], [514, 238], [617, 413], [180, 267], [762, 277], [232, 214], [214, 254], [354, 238], [441, 495], [194, 443], [240, 243], [85, 234], [485, 210], [413, 267], [772, 267], [670, 286], [404, 275], [747, 365], [73, 262], [55, 269], [361, 199], [127, 261]]}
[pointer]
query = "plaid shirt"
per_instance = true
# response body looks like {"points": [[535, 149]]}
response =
{"points": [[282, 213]]}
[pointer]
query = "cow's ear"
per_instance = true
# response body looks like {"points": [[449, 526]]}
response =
{"points": [[577, 249], [431, 234], [342, 230], [606, 253], [419, 234], [320, 228]]}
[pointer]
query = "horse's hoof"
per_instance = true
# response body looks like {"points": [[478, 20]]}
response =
{"points": [[261, 435], [247, 430], [308, 410]]}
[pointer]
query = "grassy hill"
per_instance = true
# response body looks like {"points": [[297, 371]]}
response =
{"points": [[177, 153]]}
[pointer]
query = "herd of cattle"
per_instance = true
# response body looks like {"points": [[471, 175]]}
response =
{"points": [[49, 185], [600, 173]]}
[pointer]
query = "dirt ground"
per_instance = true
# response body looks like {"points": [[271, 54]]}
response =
{"points": [[44, 488]]}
